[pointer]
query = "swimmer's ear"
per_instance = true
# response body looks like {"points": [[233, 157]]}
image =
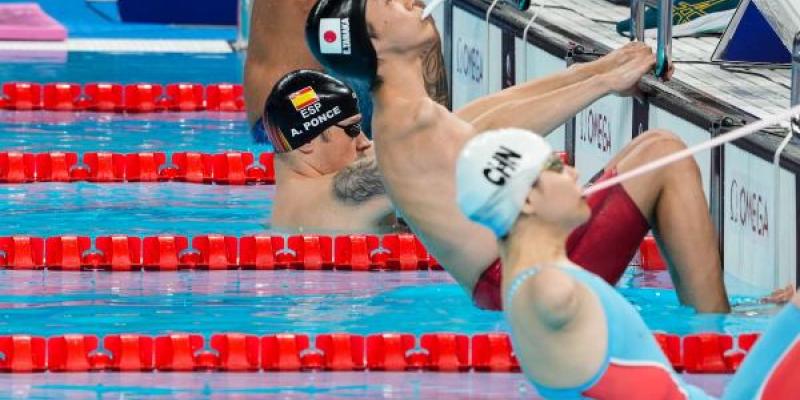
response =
{"points": [[307, 148], [528, 208]]}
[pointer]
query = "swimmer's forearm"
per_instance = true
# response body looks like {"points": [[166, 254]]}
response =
{"points": [[537, 87], [544, 113]]}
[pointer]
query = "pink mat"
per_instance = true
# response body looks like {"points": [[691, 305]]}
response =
{"points": [[27, 21]]}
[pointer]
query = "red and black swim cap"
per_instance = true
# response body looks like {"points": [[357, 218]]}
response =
{"points": [[302, 105]]}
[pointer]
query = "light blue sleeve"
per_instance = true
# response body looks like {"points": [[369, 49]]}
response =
{"points": [[782, 333]]}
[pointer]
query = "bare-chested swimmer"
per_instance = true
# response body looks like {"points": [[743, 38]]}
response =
{"points": [[574, 335], [277, 46], [378, 43], [326, 176]]}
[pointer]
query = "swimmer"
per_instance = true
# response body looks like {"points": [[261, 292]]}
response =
{"points": [[574, 335], [277, 47], [326, 177], [417, 142]]}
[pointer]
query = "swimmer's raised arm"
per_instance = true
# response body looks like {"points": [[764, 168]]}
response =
{"points": [[276, 47], [435, 74], [544, 113], [539, 87]]}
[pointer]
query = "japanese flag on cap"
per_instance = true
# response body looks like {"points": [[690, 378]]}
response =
{"points": [[494, 174]]}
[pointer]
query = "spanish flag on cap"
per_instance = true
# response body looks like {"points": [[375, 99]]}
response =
{"points": [[304, 98]]}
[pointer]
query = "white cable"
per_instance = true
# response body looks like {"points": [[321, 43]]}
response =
{"points": [[539, 7], [776, 162], [486, 72], [717, 141]]}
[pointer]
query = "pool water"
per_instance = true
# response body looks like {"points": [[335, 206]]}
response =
{"points": [[50, 303]]}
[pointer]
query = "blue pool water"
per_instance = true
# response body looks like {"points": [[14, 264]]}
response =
{"points": [[258, 302]]}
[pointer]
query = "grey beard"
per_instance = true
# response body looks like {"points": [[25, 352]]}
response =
{"points": [[359, 182]]}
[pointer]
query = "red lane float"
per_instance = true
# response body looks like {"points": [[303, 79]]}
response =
{"points": [[103, 97], [225, 97], [193, 167], [285, 352], [66, 252], [652, 260], [71, 353], [22, 353], [17, 167], [216, 252], [164, 252], [119, 253], [113, 97], [342, 351], [239, 352], [62, 96], [55, 167], [357, 252], [22, 252], [706, 353], [130, 353], [144, 167], [22, 96], [232, 168], [311, 252], [492, 352], [143, 97], [671, 346], [176, 352], [105, 167], [447, 352], [391, 352], [260, 252], [393, 252], [185, 97]]}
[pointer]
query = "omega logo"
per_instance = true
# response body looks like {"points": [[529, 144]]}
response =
{"points": [[597, 131], [748, 209], [469, 61]]}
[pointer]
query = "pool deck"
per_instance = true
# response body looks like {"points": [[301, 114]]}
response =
{"points": [[758, 92]]}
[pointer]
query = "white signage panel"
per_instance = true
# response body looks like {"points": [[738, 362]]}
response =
{"points": [[752, 224], [691, 134], [601, 131], [538, 63], [473, 63]]}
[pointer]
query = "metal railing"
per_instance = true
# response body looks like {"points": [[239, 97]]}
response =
{"points": [[664, 40]]}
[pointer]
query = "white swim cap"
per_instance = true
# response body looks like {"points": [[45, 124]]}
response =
{"points": [[494, 174]]}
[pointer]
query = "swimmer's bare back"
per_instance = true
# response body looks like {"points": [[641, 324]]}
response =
{"points": [[310, 205], [277, 46], [416, 142]]}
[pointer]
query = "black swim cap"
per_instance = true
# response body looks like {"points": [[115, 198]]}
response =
{"points": [[302, 105], [336, 33]]}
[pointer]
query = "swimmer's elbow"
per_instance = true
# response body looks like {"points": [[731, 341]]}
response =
{"points": [[553, 295]]}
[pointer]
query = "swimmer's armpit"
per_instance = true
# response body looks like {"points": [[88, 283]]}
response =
{"points": [[359, 182]]}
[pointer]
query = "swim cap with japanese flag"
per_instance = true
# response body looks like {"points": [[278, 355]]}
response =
{"points": [[302, 105], [494, 174], [336, 33]]}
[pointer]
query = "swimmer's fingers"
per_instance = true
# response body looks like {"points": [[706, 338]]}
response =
{"points": [[780, 296], [624, 80]]}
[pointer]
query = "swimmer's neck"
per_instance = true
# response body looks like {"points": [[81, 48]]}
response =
{"points": [[533, 243], [288, 169], [401, 78]]}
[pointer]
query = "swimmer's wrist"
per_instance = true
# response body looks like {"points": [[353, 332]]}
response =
{"points": [[603, 82]]}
